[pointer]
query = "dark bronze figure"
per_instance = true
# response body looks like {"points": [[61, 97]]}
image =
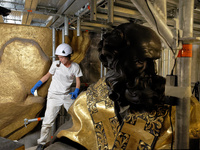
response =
{"points": [[129, 52], [126, 109]]}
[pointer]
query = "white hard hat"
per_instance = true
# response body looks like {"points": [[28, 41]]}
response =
{"points": [[63, 49]]}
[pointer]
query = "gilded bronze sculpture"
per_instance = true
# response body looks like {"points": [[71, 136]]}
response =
{"points": [[126, 109], [18, 58]]}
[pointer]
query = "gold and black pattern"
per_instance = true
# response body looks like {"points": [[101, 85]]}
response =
{"points": [[121, 141], [101, 137], [155, 120], [97, 93], [100, 90], [91, 103], [101, 109], [142, 128], [130, 136], [109, 103], [143, 146], [115, 125], [131, 118]]}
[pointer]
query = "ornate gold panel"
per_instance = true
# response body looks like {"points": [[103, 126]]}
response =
{"points": [[24, 61]]}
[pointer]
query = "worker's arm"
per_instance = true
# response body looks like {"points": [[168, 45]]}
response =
{"points": [[40, 82], [45, 77], [78, 82], [76, 91]]}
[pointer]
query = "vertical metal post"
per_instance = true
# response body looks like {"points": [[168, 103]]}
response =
{"points": [[110, 11], [105, 70], [53, 128], [63, 35], [53, 43], [195, 64], [78, 27], [169, 62], [163, 64], [93, 10], [159, 66], [101, 75], [184, 77], [61, 119], [66, 25]]}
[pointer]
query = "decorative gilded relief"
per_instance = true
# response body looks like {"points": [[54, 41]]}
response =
{"points": [[25, 54], [95, 127], [101, 109], [141, 130], [23, 63]]}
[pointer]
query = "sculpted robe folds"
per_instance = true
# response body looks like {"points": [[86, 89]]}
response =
{"points": [[95, 125]]}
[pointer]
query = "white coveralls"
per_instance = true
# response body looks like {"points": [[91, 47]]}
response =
{"points": [[58, 95]]}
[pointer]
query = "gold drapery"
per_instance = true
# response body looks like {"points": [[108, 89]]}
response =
{"points": [[95, 125]]}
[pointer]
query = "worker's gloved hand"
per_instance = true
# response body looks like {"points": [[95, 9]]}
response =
{"points": [[74, 94], [37, 85]]}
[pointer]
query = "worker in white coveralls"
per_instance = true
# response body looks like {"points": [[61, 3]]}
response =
{"points": [[63, 72]]}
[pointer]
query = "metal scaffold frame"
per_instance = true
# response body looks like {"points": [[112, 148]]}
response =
{"points": [[174, 42]]}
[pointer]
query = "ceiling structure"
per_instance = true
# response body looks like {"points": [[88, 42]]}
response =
{"points": [[94, 15]]}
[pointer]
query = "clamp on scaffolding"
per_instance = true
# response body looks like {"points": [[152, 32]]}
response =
{"points": [[27, 121]]}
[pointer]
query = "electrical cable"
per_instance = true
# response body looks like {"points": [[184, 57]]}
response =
{"points": [[173, 66], [162, 36], [157, 28]]}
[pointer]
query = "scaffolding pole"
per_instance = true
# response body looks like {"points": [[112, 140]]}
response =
{"points": [[184, 77]]}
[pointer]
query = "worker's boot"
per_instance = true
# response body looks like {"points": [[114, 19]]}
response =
{"points": [[40, 147]]}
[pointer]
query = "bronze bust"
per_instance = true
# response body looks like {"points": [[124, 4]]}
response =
{"points": [[126, 108]]}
